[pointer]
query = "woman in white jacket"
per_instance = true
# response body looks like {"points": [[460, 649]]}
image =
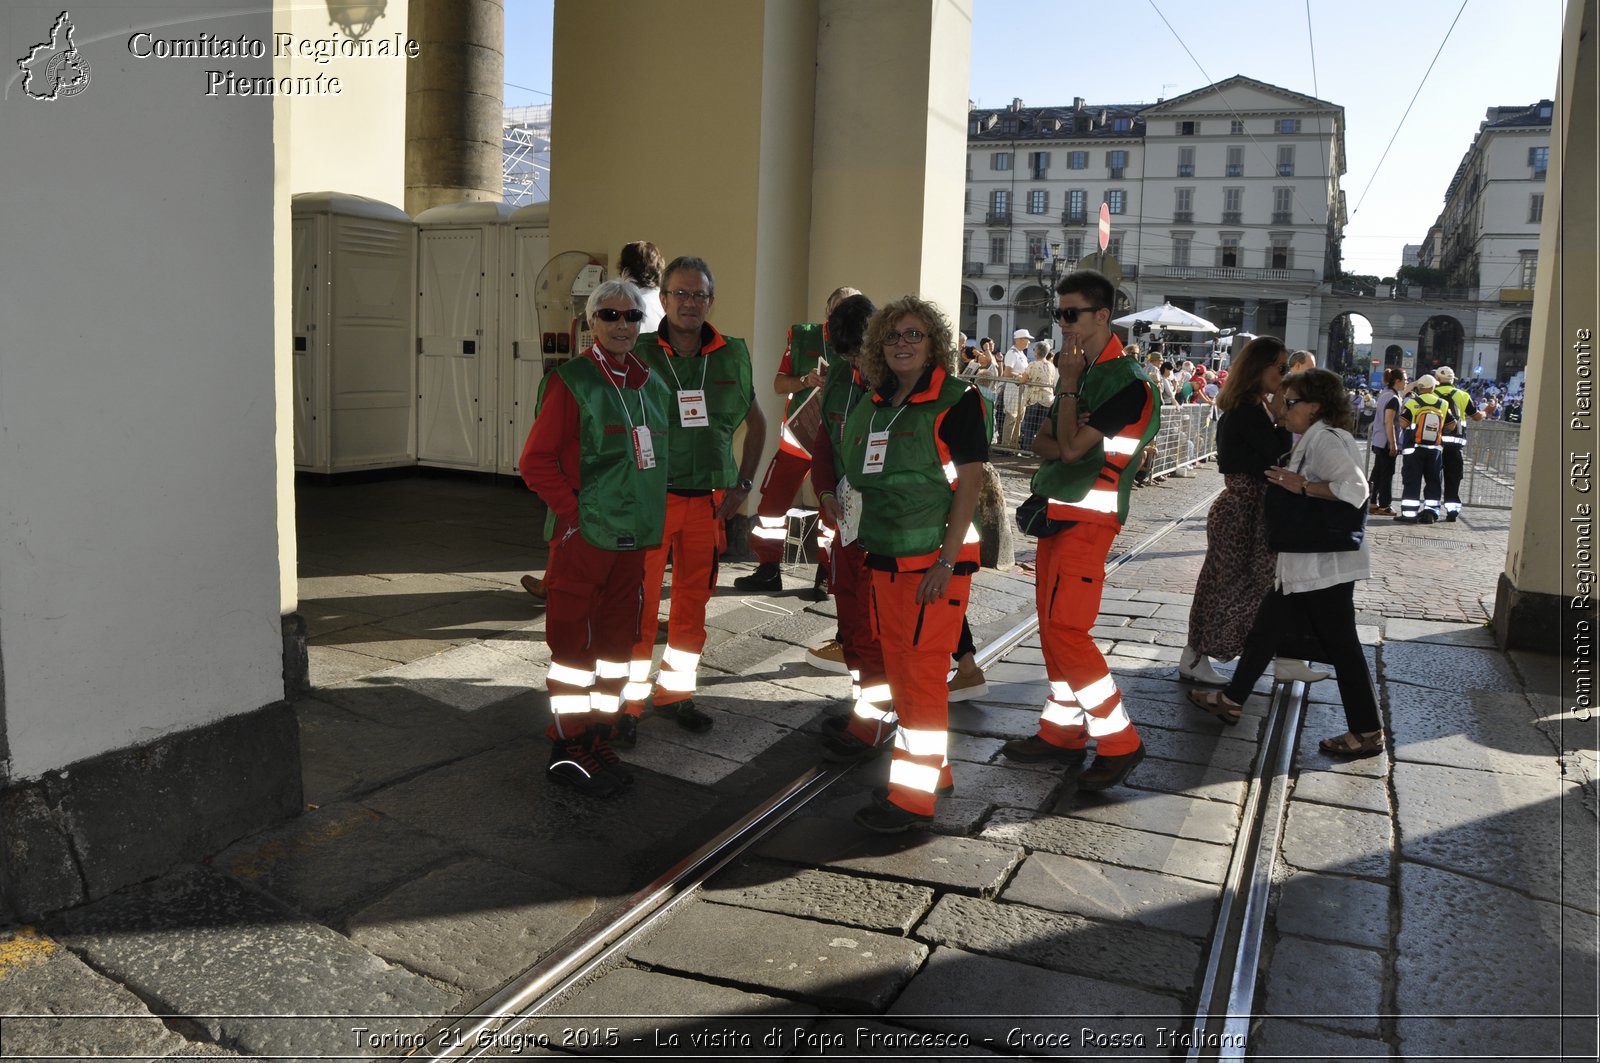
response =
{"points": [[1315, 592]]}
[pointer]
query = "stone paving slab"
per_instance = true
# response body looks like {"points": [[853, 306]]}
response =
{"points": [[324, 618], [330, 859], [500, 804], [1006, 1006], [344, 754], [1533, 835], [1065, 941], [1157, 812], [1215, 750], [708, 757], [471, 925], [843, 967], [810, 893], [1110, 844], [74, 1011], [991, 718], [210, 949], [966, 864], [1195, 780], [331, 665], [1346, 910], [469, 677], [1432, 666], [1342, 840], [1443, 633], [1484, 957], [633, 1014], [1331, 985], [1103, 891], [1489, 730], [1337, 788]]}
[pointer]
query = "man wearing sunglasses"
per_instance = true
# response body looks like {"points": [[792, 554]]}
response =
{"points": [[709, 376], [1105, 414]]}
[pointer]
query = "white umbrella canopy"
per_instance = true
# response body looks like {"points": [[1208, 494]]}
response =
{"points": [[1168, 318]]}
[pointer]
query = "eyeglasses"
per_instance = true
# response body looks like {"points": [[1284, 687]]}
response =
{"points": [[1068, 315], [687, 296], [910, 335], [1290, 404], [632, 317]]}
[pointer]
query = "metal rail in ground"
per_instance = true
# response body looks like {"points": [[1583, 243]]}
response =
{"points": [[460, 1036]]}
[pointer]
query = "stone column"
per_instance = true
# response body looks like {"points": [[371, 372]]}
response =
{"points": [[1545, 593], [454, 114]]}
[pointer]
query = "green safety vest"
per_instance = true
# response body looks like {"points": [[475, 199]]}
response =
{"points": [[1095, 488], [841, 394], [701, 459], [620, 506], [808, 347], [906, 503]]}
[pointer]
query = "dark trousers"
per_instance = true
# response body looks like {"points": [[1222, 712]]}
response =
{"points": [[1452, 477], [1382, 478], [1326, 617], [1420, 473]]}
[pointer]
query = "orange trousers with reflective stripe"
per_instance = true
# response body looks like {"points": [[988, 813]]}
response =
{"points": [[785, 473], [1070, 576], [591, 614], [695, 537], [917, 642]]}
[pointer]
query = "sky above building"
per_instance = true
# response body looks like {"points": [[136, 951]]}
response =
{"points": [[1368, 56]]}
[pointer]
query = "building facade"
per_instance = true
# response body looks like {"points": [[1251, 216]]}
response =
{"points": [[1224, 201]]}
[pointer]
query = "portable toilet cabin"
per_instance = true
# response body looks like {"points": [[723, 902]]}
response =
{"points": [[527, 252], [459, 332], [353, 385]]}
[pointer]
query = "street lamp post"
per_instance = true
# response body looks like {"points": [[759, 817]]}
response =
{"points": [[1050, 272]]}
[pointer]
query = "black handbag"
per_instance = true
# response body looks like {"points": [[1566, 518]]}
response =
{"points": [[1033, 518], [1303, 524]]}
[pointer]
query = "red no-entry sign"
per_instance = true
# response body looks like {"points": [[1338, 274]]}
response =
{"points": [[1105, 225]]}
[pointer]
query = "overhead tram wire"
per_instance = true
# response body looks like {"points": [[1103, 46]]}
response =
{"points": [[1410, 105], [1311, 46], [525, 88]]}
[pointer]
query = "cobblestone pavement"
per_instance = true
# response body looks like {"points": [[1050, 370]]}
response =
{"points": [[1450, 879]]}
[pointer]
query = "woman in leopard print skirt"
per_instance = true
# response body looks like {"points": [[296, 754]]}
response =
{"points": [[1237, 573]]}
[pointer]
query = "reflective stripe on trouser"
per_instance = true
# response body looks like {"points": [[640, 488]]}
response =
{"points": [[785, 473], [917, 642], [1084, 701], [1454, 466], [1422, 465], [851, 581], [591, 622], [694, 537]]}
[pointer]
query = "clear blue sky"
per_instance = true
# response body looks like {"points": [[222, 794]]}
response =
{"points": [[1367, 56]]}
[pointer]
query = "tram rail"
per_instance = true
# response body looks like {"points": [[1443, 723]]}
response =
{"points": [[1220, 1025]]}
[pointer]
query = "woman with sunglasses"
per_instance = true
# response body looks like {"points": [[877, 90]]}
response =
{"points": [[914, 449], [1315, 592], [596, 456], [1237, 572]]}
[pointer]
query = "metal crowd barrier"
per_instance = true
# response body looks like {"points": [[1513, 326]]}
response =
{"points": [[1490, 464]]}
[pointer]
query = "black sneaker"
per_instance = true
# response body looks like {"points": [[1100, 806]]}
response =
{"points": [[688, 717], [609, 761], [1107, 772], [883, 816], [1034, 749], [767, 577], [1450, 518], [625, 731], [572, 765], [1427, 516]]}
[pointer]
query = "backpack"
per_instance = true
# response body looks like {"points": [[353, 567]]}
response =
{"points": [[1428, 427]]}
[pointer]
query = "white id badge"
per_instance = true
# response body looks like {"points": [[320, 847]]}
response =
{"points": [[644, 449], [849, 500], [692, 410], [877, 447]]}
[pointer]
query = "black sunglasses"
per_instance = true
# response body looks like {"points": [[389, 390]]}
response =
{"points": [[1068, 315], [632, 317]]}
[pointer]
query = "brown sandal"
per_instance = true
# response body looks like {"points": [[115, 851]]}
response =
{"points": [[1352, 746], [1212, 702]]}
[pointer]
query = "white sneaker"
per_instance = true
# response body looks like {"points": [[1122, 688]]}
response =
{"points": [[828, 657], [1289, 670], [1196, 668]]}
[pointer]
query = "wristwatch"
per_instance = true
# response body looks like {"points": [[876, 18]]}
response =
{"points": [[745, 484]]}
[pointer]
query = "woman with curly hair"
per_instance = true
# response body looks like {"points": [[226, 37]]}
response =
{"points": [[1237, 572], [914, 451], [1315, 591]]}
